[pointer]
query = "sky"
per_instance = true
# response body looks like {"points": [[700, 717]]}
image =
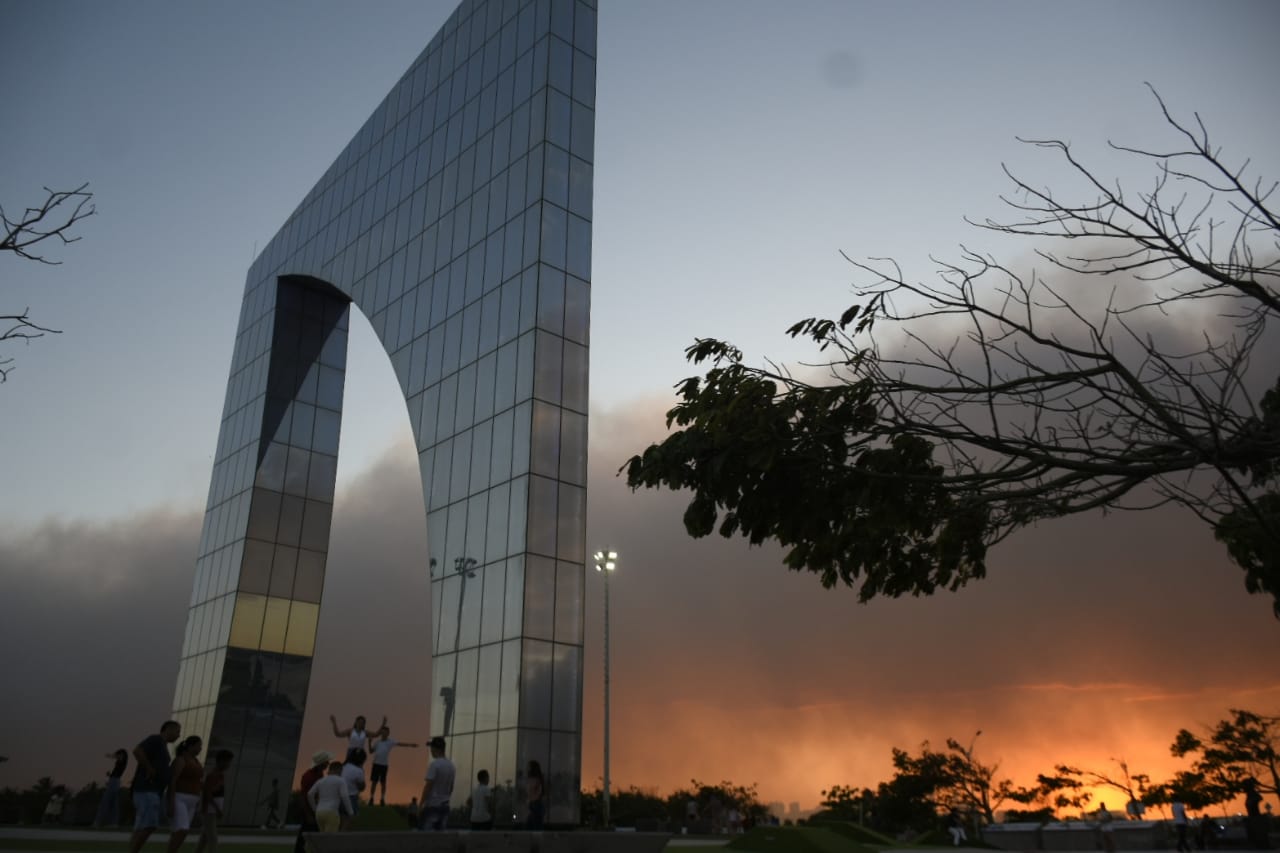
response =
{"points": [[741, 147]]}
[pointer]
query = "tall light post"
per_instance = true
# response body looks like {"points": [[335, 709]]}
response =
{"points": [[606, 562]]}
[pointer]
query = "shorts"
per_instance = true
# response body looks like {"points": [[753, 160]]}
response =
{"points": [[379, 774], [328, 821], [146, 807], [185, 808]]}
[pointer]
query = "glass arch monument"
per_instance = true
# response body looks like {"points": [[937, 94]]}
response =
{"points": [[458, 220]]}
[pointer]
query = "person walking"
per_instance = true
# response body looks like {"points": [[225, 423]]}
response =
{"points": [[108, 813], [150, 780], [955, 826], [437, 788], [1180, 825], [535, 789], [382, 746], [272, 802], [186, 784], [319, 764], [212, 798], [1106, 829], [330, 799]]}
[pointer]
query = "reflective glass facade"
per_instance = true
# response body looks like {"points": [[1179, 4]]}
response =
{"points": [[458, 220]]}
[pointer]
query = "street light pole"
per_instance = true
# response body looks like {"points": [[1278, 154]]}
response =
{"points": [[606, 561]]}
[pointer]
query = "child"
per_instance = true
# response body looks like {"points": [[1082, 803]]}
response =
{"points": [[211, 800], [481, 814]]}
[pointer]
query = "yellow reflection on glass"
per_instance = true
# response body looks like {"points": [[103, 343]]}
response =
{"points": [[246, 622], [275, 624], [303, 617]]}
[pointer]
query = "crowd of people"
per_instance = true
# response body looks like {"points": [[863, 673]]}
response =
{"points": [[184, 792], [179, 787]]}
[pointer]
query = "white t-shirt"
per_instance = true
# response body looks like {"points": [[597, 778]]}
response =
{"points": [[480, 804], [358, 739], [354, 777], [382, 751], [440, 773], [330, 794], [1179, 814]]}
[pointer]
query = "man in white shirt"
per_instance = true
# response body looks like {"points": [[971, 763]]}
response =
{"points": [[438, 787], [330, 799], [382, 747]]}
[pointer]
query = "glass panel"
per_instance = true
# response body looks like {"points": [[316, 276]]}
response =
{"points": [[513, 608], [290, 529], [545, 451], [564, 780], [442, 703], [550, 299], [566, 704], [450, 611], [255, 570], [573, 447], [539, 597], [571, 523], [516, 522], [495, 581], [271, 470], [481, 452], [580, 200], [283, 569], [301, 638], [327, 424], [275, 624], [322, 477], [464, 719], [569, 602], [295, 478], [498, 517], [264, 513], [246, 624], [469, 616], [541, 534], [575, 377], [304, 416], [509, 700], [506, 791], [548, 367], [460, 475], [500, 459], [315, 525], [308, 583]]}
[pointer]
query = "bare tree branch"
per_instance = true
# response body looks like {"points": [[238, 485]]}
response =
{"points": [[53, 219]]}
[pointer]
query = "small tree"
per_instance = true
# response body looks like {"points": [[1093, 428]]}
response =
{"points": [[26, 237], [1002, 397]]}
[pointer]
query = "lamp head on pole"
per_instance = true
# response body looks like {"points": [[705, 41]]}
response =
{"points": [[606, 561]]}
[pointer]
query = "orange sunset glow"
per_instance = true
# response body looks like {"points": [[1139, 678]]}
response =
{"points": [[1091, 639]]}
